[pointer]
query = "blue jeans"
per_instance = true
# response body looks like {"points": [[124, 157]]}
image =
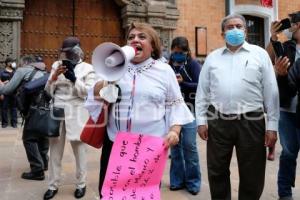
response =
{"points": [[185, 167], [290, 142]]}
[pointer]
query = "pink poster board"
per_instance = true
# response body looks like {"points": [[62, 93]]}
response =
{"points": [[135, 168]]}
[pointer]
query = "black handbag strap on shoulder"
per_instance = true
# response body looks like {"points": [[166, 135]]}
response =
{"points": [[34, 71]]}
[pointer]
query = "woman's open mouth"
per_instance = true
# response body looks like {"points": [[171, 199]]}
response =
{"points": [[138, 49]]}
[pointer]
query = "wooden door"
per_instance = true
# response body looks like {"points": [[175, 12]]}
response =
{"points": [[97, 21], [47, 23]]}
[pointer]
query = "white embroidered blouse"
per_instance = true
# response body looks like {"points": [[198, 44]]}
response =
{"points": [[156, 104]]}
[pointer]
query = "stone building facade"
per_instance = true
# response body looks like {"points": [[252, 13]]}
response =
{"points": [[169, 17], [11, 14]]}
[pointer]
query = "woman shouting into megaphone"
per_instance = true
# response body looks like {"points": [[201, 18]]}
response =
{"points": [[151, 101]]}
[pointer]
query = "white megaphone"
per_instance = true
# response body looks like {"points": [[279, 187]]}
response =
{"points": [[110, 61]]}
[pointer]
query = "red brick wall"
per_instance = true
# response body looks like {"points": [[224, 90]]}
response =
{"points": [[287, 6], [207, 13], [284, 8]]}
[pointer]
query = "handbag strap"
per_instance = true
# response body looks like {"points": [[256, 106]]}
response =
{"points": [[34, 71]]}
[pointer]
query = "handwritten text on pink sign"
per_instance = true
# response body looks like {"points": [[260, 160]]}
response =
{"points": [[135, 168]]}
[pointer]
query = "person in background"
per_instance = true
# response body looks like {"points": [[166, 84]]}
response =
{"points": [[150, 86], [237, 85], [185, 167], [36, 147], [8, 101], [288, 134], [68, 83], [165, 56]]}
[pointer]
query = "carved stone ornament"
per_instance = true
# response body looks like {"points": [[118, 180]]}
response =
{"points": [[6, 40], [11, 9], [161, 14], [11, 13], [131, 2], [137, 2]]}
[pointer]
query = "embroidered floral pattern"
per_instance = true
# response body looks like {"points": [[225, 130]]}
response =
{"points": [[138, 70], [175, 102]]}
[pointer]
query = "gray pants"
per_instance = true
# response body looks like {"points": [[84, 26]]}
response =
{"points": [[56, 152], [248, 137]]}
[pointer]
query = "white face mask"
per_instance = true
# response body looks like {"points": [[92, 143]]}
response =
{"points": [[288, 34], [13, 65]]}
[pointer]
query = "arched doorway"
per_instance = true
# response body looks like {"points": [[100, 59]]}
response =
{"points": [[47, 23]]}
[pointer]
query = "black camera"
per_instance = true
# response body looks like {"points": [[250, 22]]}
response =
{"points": [[69, 64], [285, 24]]}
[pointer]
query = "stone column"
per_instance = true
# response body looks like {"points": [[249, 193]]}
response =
{"points": [[161, 14], [11, 14]]}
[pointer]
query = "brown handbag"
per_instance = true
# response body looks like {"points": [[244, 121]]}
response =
{"points": [[93, 133]]}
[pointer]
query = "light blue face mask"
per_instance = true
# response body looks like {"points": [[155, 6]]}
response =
{"points": [[235, 37]]}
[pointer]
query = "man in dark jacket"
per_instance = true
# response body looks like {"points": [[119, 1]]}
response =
{"points": [[288, 131], [9, 101], [294, 88], [36, 147], [289, 79]]}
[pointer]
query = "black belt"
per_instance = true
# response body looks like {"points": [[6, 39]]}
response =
{"points": [[255, 114]]}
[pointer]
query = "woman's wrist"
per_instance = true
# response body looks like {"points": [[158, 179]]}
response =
{"points": [[175, 132], [54, 77], [273, 38]]}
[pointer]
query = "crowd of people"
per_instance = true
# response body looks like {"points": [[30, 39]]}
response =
{"points": [[239, 99]]}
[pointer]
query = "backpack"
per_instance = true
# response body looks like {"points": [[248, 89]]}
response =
{"points": [[36, 85], [23, 100], [35, 92]]}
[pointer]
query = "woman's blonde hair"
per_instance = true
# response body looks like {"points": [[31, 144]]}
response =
{"points": [[155, 40]]}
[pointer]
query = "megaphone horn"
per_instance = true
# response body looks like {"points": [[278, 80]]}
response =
{"points": [[111, 61]]}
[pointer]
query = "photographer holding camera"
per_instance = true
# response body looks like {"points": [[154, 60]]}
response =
{"points": [[68, 83], [284, 55]]}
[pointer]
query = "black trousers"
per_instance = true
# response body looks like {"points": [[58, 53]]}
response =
{"points": [[248, 137], [9, 105], [106, 150], [37, 152]]}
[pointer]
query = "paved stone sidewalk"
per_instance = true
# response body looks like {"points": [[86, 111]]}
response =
{"points": [[13, 162]]}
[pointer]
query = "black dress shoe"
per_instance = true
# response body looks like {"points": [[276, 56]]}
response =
{"points": [[79, 192], [50, 194], [175, 188], [38, 176], [193, 192]]}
